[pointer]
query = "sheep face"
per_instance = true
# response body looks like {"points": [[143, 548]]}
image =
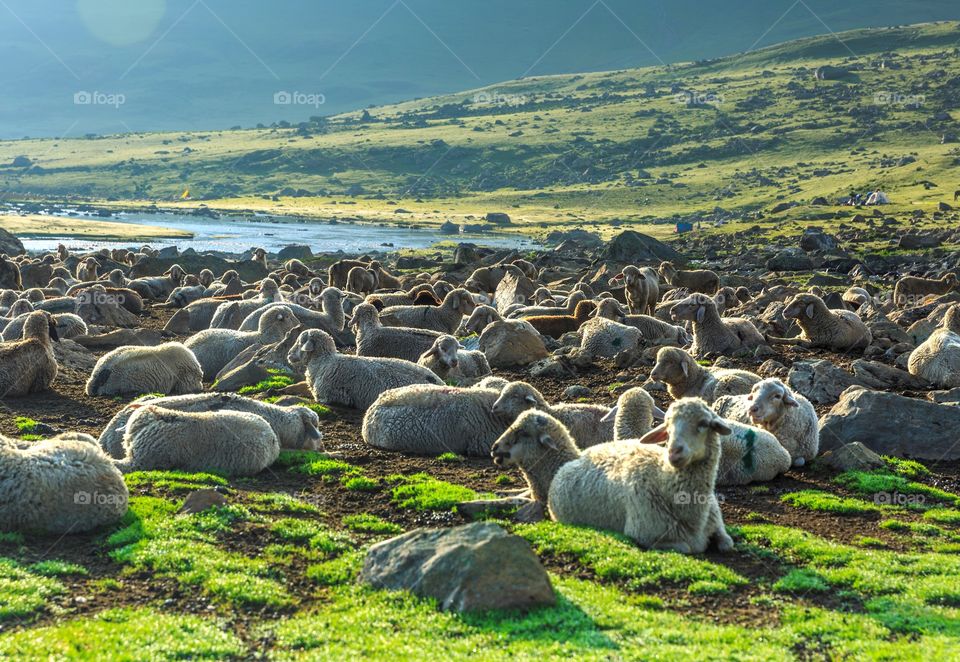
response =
{"points": [[667, 270], [312, 437], [442, 288], [461, 301], [364, 315], [445, 349], [480, 318], [672, 366], [689, 428], [692, 309], [316, 286], [803, 305], [176, 273], [610, 309], [525, 442], [280, 318], [770, 400], [515, 399], [311, 343]]}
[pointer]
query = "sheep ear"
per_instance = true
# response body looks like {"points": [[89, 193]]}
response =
{"points": [[685, 368], [720, 427], [658, 414], [307, 346], [610, 415], [456, 304], [546, 440], [789, 400], [313, 433], [701, 313], [656, 435], [810, 311], [529, 398]]}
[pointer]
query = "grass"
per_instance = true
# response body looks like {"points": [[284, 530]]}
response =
{"points": [[887, 484], [613, 557], [273, 383], [57, 568], [801, 581], [176, 481], [360, 483], [827, 502], [310, 533], [25, 425], [423, 492], [449, 457], [125, 634], [368, 523], [24, 590], [280, 502]]}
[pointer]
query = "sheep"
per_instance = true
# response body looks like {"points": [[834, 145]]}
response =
{"points": [[661, 497], [652, 330], [855, 297], [28, 365], [87, 269], [428, 419], [600, 337], [10, 277], [484, 280], [937, 359], [481, 317], [257, 363], [633, 415], [407, 298], [493, 383], [59, 486], [585, 422], [713, 334], [542, 296], [374, 339], [557, 325], [297, 268], [444, 318], [773, 406], [68, 326], [725, 298], [529, 311], [749, 453], [538, 444], [384, 278], [214, 348], [232, 443], [170, 368], [338, 271], [362, 280], [351, 381], [840, 330], [910, 290], [159, 287], [641, 288], [448, 359], [232, 314], [297, 428], [700, 280], [685, 378], [331, 318]]}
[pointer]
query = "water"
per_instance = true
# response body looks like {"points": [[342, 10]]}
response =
{"points": [[236, 235]]}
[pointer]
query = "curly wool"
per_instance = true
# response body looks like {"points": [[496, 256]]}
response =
{"points": [[585, 422], [170, 368]]}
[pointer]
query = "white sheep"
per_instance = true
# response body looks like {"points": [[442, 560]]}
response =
{"points": [[226, 442], [450, 361], [68, 326], [398, 342], [773, 406], [444, 318], [937, 359], [297, 428], [170, 368], [29, 365], [215, 348], [585, 421], [59, 486], [685, 378], [604, 338], [661, 497], [713, 334], [538, 444], [652, 330], [351, 381], [429, 420], [840, 330], [634, 414], [749, 453]]}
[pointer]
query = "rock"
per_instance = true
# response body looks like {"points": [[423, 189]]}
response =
{"points": [[825, 280], [781, 207], [815, 239], [576, 391], [168, 252], [413, 262], [829, 72], [553, 366], [530, 513], [120, 338], [772, 368], [881, 376], [449, 228], [912, 241], [634, 247], [944, 397], [466, 254], [791, 259], [511, 343], [819, 201], [9, 244], [21, 162], [295, 252], [249, 270], [76, 357], [820, 381], [943, 206], [892, 424], [201, 500], [468, 568], [498, 218], [852, 457], [513, 289]]}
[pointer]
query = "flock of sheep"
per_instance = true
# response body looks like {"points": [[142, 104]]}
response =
{"points": [[360, 337]]}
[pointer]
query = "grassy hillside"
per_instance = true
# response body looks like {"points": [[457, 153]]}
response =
{"points": [[740, 133]]}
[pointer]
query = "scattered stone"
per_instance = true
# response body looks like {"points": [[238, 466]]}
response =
{"points": [[634, 247], [820, 381], [790, 259], [9, 244], [576, 391], [507, 344], [852, 457], [295, 252], [498, 218], [468, 568], [201, 500]]}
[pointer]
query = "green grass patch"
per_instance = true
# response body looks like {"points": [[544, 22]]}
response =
{"points": [[271, 383], [818, 500], [31, 437], [888, 484], [176, 481], [360, 483], [25, 425], [57, 568], [125, 634], [308, 532], [910, 469], [341, 570], [947, 516], [279, 502], [24, 590], [423, 492], [321, 410], [504, 479], [449, 457], [369, 523], [11, 538], [615, 557], [801, 581]]}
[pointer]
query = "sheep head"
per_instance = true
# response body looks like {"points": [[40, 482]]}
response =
{"points": [[312, 342], [803, 305], [770, 399], [673, 366], [689, 428], [693, 309], [516, 398], [528, 439]]}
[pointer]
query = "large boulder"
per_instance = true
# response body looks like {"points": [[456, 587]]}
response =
{"points": [[475, 567], [633, 247], [820, 381], [891, 424], [513, 288], [295, 252], [10, 245], [790, 259], [498, 218], [249, 270], [512, 343], [815, 239]]}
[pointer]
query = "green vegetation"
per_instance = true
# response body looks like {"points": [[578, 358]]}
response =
{"points": [[311, 533], [25, 425], [24, 590], [279, 502], [360, 483], [829, 503], [886, 483], [449, 457], [368, 523], [801, 581], [423, 492], [273, 383], [175, 481]]}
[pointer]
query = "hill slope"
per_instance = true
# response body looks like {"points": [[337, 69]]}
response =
{"points": [[740, 133]]}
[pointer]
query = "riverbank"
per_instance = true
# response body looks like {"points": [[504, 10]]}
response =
{"points": [[38, 226]]}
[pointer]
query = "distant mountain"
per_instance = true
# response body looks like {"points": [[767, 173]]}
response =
{"points": [[109, 66]]}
